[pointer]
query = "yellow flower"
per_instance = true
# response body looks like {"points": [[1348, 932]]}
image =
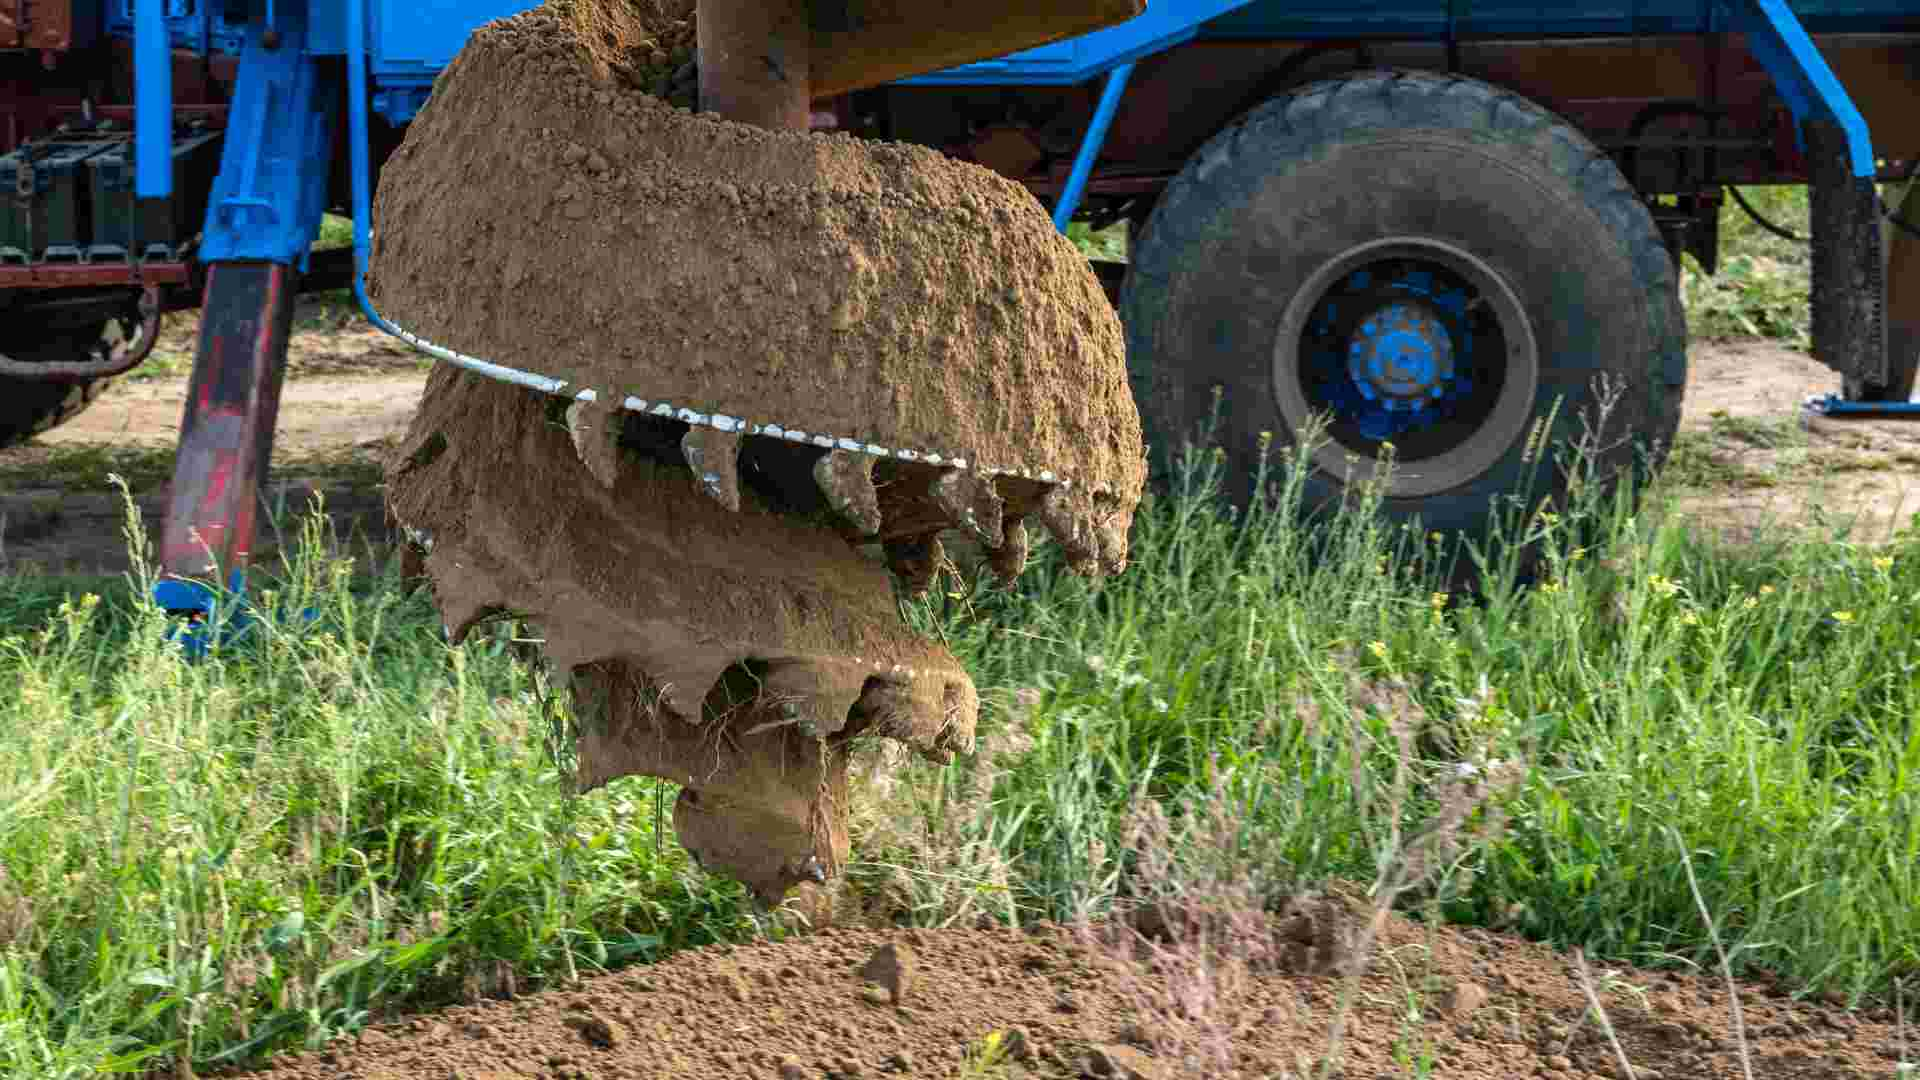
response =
{"points": [[1690, 617], [1577, 555], [1766, 590], [1439, 600], [1664, 586], [1436, 538], [1378, 649], [1883, 563], [1843, 616], [1750, 603]]}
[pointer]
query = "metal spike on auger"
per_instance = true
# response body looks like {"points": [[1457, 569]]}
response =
{"points": [[971, 503], [714, 457], [1010, 558], [916, 561], [1074, 532], [845, 477]]}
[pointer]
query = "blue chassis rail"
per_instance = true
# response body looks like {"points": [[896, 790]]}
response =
{"points": [[396, 64]]}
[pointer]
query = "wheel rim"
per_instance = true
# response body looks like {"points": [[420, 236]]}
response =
{"points": [[1410, 341]]}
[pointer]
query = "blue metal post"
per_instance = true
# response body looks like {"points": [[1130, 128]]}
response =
{"points": [[361, 156], [1090, 146], [272, 189], [152, 101], [1803, 79]]}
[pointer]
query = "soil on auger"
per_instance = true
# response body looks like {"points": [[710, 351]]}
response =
{"points": [[547, 213], [543, 218]]}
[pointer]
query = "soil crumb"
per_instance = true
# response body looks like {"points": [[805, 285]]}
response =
{"points": [[544, 216], [641, 43]]}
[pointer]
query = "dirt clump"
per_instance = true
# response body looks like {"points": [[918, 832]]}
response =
{"points": [[544, 218], [643, 44], [733, 652], [803, 1015]]}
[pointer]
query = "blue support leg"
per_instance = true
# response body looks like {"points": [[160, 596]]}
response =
{"points": [[152, 101], [261, 221], [1090, 146]]}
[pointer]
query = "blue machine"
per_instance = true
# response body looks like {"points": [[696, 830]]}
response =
{"points": [[1122, 112]]}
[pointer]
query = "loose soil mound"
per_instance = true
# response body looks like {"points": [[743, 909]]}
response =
{"points": [[1471, 1004], [544, 218], [734, 653]]}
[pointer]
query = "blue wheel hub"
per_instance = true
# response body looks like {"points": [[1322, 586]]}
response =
{"points": [[1389, 350], [1401, 357]]}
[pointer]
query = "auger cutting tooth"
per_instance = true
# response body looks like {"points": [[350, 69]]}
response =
{"points": [[1074, 532], [595, 431], [1010, 558], [917, 561], [714, 457], [1113, 548], [845, 477], [971, 503]]}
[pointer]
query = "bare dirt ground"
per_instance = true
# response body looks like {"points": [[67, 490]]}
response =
{"points": [[1749, 461], [349, 392], [1440, 1003]]}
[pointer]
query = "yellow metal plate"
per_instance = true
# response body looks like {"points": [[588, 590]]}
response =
{"points": [[879, 41]]}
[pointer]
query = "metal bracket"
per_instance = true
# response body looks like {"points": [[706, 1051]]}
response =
{"points": [[271, 192], [1837, 406]]}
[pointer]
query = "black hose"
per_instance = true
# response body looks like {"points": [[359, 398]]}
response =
{"points": [[1886, 212], [1784, 234], [105, 362]]}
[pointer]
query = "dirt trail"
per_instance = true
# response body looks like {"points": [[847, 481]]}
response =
{"points": [[1749, 463], [1476, 1005]]}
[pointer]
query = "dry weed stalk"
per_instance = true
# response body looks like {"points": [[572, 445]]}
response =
{"points": [[1726, 965], [1468, 815], [1585, 978], [1186, 943]]}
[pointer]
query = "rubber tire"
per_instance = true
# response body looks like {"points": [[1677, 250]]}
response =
{"points": [[29, 408], [1343, 162]]}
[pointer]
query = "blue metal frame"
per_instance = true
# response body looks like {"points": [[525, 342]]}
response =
{"points": [[152, 102], [1835, 405], [272, 189], [1090, 144], [1801, 75]]}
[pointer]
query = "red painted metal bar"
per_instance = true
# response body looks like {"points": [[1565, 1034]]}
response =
{"points": [[226, 435], [93, 275]]}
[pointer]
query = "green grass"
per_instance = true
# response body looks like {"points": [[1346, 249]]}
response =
{"points": [[1761, 289], [77, 467], [206, 861], [335, 232]]}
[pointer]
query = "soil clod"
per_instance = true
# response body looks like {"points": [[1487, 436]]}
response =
{"points": [[892, 968]]}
